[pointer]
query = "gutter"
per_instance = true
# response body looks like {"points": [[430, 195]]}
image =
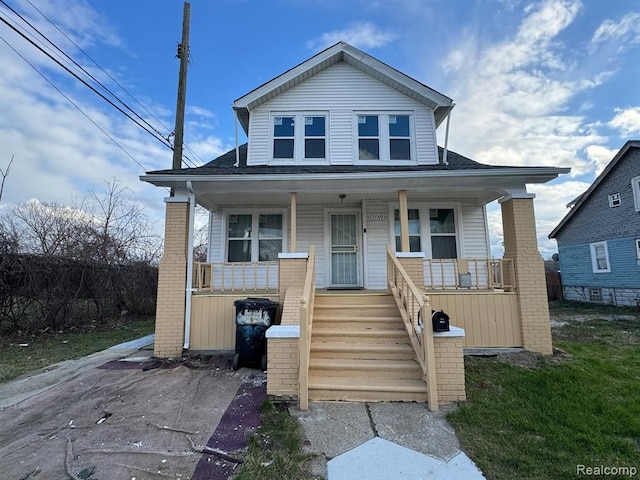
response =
{"points": [[189, 286], [480, 172]]}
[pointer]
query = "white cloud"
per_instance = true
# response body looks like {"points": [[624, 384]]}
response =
{"points": [[360, 34], [601, 156], [627, 121], [628, 28], [59, 154]]}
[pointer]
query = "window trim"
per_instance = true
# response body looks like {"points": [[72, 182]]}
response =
{"points": [[594, 259], [384, 138], [637, 243], [635, 188], [299, 137], [255, 241], [425, 227]]}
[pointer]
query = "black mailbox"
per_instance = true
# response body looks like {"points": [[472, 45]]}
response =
{"points": [[440, 321]]}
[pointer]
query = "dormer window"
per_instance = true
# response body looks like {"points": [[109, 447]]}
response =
{"points": [[299, 137], [283, 137], [384, 137]]}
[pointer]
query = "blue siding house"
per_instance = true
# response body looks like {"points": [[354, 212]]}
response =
{"points": [[599, 239]]}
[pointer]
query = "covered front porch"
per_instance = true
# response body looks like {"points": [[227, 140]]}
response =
{"points": [[414, 241]]}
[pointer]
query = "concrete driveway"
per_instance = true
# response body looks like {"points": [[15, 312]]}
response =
{"points": [[107, 417]]}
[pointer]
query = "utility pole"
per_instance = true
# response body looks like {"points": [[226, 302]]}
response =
{"points": [[183, 55]]}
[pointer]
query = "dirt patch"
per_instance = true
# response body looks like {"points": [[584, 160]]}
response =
{"points": [[531, 361], [124, 423]]}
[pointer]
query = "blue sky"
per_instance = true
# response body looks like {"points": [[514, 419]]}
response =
{"points": [[554, 82]]}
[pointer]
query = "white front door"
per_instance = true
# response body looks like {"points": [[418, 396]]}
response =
{"points": [[345, 250]]}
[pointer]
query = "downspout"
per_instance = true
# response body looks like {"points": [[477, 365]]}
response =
{"points": [[189, 283], [446, 140], [235, 126]]}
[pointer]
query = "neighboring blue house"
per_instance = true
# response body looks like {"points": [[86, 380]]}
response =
{"points": [[599, 239]]}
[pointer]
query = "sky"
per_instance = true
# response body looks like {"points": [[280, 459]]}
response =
{"points": [[536, 83]]}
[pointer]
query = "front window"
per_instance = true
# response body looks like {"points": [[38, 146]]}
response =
{"points": [[600, 257], [414, 230], [254, 237], [368, 137], [443, 233], [399, 137], [283, 137], [384, 137], [314, 137]]}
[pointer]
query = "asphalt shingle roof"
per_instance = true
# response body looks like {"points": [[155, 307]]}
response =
{"points": [[224, 165]]}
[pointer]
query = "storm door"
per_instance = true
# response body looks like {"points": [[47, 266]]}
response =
{"points": [[345, 250]]}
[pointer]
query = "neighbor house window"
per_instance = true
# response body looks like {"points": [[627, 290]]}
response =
{"points": [[414, 230], [614, 200], [283, 137], [385, 137], [600, 257], [595, 295], [442, 227], [638, 248], [298, 137], [635, 186], [254, 237]]}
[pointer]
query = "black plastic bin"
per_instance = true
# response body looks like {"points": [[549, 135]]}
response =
{"points": [[253, 317]]}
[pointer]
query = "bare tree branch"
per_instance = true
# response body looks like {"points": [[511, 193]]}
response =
{"points": [[5, 174]]}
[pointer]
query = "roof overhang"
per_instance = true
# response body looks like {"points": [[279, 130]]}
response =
{"points": [[342, 51], [483, 185]]}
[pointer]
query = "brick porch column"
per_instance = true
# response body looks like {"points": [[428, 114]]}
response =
{"points": [[520, 244], [413, 263], [292, 270], [172, 276]]}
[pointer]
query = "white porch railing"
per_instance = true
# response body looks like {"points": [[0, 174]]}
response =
{"points": [[469, 274], [235, 277]]}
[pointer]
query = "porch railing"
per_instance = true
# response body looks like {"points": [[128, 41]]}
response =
{"points": [[306, 325], [469, 274], [235, 277], [415, 309]]}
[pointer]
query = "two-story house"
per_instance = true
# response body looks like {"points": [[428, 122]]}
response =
{"points": [[342, 207], [599, 238]]}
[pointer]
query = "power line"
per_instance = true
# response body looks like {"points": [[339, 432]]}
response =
{"points": [[74, 104], [155, 133]]}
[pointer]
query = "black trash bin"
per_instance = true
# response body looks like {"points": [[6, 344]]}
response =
{"points": [[253, 317]]}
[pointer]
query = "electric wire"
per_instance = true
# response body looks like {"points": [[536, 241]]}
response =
{"points": [[158, 135], [74, 104]]}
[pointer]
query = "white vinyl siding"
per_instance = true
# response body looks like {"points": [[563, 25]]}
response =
{"points": [[310, 220], [342, 90]]}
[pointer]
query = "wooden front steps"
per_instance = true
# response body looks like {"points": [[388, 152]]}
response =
{"points": [[360, 351]]}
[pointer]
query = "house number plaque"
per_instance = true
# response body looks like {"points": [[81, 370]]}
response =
{"points": [[377, 216]]}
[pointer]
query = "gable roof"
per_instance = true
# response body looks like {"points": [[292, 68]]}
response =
{"points": [[343, 52], [580, 200]]}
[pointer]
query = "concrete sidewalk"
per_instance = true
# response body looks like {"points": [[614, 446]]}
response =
{"points": [[383, 441], [34, 383]]}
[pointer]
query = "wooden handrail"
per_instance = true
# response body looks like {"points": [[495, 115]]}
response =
{"points": [[306, 325], [415, 311]]}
